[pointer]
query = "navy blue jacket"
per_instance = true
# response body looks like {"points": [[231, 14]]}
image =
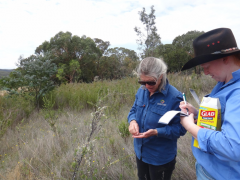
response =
{"points": [[146, 110]]}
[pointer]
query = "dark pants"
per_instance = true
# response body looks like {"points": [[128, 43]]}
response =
{"points": [[151, 172]]}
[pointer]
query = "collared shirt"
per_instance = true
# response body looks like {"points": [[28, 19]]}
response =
{"points": [[146, 110], [219, 151]]}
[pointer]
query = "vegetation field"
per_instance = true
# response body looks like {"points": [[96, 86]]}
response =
{"points": [[81, 132]]}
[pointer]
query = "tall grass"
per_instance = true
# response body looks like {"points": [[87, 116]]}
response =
{"points": [[201, 85], [76, 96], [13, 109], [31, 149]]}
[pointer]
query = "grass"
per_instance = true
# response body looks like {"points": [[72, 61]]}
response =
{"points": [[31, 149], [42, 153]]}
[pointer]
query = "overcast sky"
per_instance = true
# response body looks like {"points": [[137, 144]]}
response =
{"points": [[25, 24]]}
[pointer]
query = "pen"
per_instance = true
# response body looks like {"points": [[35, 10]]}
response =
{"points": [[184, 99]]}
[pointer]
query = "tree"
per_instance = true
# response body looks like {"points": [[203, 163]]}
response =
{"points": [[180, 51], [174, 57], [67, 49], [185, 43], [117, 63], [102, 45], [149, 41], [108, 68], [34, 75], [13, 82], [67, 72], [83, 58]]}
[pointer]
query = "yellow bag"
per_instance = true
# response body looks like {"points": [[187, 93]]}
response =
{"points": [[209, 115]]}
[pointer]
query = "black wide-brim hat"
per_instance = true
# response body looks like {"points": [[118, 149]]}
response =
{"points": [[212, 45]]}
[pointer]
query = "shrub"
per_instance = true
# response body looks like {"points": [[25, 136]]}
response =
{"points": [[13, 109], [123, 129]]}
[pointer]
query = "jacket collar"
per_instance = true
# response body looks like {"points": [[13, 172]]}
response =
{"points": [[165, 90], [236, 77]]}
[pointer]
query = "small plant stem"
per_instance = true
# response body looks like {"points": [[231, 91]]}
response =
{"points": [[93, 128]]}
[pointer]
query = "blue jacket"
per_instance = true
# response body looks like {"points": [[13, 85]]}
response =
{"points": [[220, 150], [146, 110]]}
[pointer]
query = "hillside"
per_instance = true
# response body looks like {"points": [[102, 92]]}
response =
{"points": [[5, 72]]}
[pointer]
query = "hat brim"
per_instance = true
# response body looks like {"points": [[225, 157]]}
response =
{"points": [[206, 58]]}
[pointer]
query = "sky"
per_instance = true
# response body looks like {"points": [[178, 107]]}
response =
{"points": [[26, 24]]}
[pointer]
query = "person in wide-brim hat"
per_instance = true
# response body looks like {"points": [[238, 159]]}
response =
{"points": [[212, 45], [219, 155]]}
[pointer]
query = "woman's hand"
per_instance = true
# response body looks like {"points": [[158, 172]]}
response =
{"points": [[149, 133], [133, 127], [188, 123], [191, 108]]}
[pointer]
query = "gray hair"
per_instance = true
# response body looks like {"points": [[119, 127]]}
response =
{"points": [[153, 67]]}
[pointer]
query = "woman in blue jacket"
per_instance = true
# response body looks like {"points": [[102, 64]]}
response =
{"points": [[155, 144], [219, 154]]}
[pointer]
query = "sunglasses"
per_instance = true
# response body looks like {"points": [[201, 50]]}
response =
{"points": [[150, 83]]}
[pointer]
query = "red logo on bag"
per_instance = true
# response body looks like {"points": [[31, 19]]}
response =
{"points": [[207, 113]]}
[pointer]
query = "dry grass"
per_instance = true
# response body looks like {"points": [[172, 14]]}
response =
{"points": [[202, 85], [31, 150]]}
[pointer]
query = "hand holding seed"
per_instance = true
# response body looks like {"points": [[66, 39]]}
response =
{"points": [[149, 133], [133, 127]]}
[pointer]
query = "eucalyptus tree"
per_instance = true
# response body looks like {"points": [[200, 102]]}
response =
{"points": [[174, 57], [184, 44], [185, 41], [102, 45], [117, 63], [68, 50], [69, 72], [148, 40]]}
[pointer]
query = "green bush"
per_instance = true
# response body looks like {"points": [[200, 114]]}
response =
{"points": [[123, 129]]}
